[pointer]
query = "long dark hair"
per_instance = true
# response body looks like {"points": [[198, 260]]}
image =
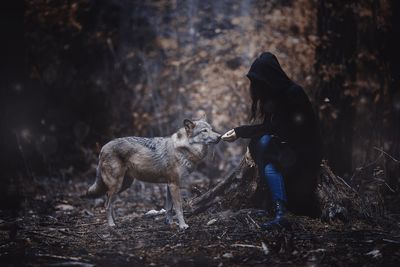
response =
{"points": [[258, 94]]}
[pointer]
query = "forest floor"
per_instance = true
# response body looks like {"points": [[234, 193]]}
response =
{"points": [[55, 227]]}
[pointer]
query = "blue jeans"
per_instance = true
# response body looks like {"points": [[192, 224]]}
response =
{"points": [[265, 152]]}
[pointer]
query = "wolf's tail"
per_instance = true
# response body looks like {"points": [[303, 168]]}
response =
{"points": [[97, 189]]}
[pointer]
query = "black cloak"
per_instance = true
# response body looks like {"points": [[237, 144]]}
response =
{"points": [[292, 121]]}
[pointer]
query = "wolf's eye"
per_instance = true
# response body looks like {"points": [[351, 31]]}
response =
{"points": [[205, 130]]}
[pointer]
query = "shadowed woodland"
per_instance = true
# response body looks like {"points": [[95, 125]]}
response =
{"points": [[80, 73]]}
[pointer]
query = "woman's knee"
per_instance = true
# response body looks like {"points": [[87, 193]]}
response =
{"points": [[263, 143], [271, 170]]}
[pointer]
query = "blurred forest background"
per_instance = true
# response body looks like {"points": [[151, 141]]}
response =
{"points": [[79, 73]]}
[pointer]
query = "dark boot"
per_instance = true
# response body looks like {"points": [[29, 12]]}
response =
{"points": [[280, 219]]}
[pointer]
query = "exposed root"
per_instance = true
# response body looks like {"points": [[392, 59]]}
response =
{"points": [[234, 191]]}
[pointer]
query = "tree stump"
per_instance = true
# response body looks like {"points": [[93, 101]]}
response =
{"points": [[235, 191], [242, 188]]}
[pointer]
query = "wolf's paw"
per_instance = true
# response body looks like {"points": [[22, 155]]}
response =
{"points": [[183, 226], [112, 224]]}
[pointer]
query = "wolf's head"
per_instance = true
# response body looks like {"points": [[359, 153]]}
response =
{"points": [[200, 132]]}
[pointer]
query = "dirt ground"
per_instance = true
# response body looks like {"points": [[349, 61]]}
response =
{"points": [[55, 227]]}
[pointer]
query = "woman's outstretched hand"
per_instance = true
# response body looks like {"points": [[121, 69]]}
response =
{"points": [[229, 136]]}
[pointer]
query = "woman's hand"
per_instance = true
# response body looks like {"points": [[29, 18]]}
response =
{"points": [[229, 136]]}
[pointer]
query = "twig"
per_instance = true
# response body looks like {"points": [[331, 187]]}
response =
{"points": [[343, 181], [214, 245], [72, 263], [384, 152], [219, 237], [99, 236], [388, 186], [251, 219], [246, 246], [58, 257]]}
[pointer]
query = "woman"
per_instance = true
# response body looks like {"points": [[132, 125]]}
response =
{"points": [[285, 145]]}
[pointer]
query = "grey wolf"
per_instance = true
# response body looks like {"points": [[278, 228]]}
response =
{"points": [[157, 160]]}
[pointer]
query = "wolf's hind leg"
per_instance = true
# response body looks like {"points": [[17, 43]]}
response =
{"points": [[168, 207], [111, 195], [113, 173]]}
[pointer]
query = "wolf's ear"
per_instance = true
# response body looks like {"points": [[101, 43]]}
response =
{"points": [[189, 125]]}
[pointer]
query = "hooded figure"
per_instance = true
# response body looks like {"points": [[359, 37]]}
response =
{"points": [[286, 145]]}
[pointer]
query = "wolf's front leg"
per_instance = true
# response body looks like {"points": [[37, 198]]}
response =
{"points": [[168, 207], [110, 209], [177, 205]]}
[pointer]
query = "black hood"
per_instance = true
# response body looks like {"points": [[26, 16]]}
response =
{"points": [[267, 69]]}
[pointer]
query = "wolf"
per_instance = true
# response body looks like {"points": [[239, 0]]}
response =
{"points": [[157, 160]]}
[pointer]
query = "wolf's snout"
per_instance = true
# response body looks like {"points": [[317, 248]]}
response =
{"points": [[218, 139]]}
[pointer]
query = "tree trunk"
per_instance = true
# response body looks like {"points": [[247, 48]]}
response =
{"points": [[392, 129], [335, 70]]}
